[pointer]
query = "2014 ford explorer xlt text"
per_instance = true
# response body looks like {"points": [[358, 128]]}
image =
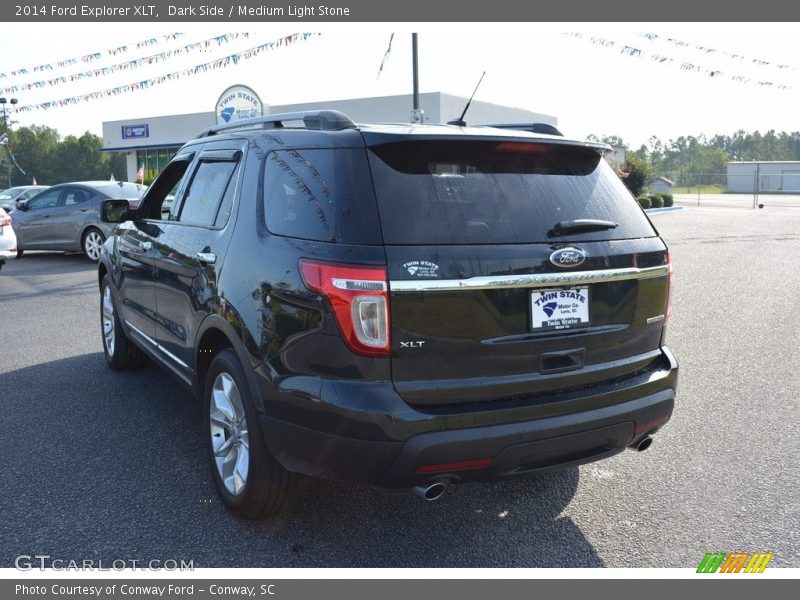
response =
{"points": [[403, 306]]}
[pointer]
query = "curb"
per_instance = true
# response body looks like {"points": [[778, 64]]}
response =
{"points": [[655, 211]]}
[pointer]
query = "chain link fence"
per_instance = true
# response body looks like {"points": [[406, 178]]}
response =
{"points": [[751, 190]]}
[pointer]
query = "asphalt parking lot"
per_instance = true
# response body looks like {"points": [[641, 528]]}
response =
{"points": [[97, 464]]}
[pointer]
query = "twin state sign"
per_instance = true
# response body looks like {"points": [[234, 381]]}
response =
{"points": [[238, 102]]}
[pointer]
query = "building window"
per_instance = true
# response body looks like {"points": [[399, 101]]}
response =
{"points": [[154, 160]]}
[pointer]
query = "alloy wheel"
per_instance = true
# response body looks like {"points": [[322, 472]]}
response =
{"points": [[229, 435], [93, 244], [108, 321]]}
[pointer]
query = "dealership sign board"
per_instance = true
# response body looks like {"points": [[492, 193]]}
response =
{"points": [[238, 102], [132, 132]]}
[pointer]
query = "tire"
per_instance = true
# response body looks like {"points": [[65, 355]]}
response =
{"points": [[20, 252], [92, 243], [120, 352], [250, 482]]}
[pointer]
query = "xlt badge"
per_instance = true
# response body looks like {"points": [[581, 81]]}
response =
{"points": [[412, 344]]}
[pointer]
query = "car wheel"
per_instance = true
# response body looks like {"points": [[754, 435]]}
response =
{"points": [[249, 480], [120, 352], [92, 243], [20, 252]]}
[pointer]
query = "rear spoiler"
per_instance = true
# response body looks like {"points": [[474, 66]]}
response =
{"points": [[545, 128]]}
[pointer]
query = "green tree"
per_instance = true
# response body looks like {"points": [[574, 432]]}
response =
{"points": [[635, 174], [34, 149]]}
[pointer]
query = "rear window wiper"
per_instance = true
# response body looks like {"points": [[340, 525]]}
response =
{"points": [[578, 225]]}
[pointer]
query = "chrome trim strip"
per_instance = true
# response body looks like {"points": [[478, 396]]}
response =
{"points": [[155, 344], [652, 320], [144, 336], [177, 360], [538, 280]]}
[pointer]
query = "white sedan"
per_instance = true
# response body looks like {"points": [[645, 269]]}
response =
{"points": [[8, 239]]}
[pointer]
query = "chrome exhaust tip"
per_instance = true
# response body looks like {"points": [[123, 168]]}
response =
{"points": [[643, 444], [429, 492]]}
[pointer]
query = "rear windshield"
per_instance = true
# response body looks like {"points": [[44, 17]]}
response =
{"points": [[478, 192]]}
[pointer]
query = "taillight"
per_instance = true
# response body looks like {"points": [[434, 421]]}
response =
{"points": [[670, 282], [359, 298], [5, 220]]}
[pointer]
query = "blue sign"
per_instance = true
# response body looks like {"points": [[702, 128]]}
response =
{"points": [[130, 132]]}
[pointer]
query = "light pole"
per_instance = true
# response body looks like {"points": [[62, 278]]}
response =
{"points": [[3, 102]]}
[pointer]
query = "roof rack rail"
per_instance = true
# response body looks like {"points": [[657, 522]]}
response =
{"points": [[546, 128], [321, 120]]}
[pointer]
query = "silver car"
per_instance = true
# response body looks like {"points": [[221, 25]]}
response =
{"points": [[10, 197], [8, 240], [66, 217]]}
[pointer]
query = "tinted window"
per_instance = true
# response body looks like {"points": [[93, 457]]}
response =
{"points": [[467, 192], [45, 200], [160, 199], [323, 195], [75, 196], [209, 186]]}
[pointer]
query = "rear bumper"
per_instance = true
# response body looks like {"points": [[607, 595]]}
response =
{"points": [[406, 447]]}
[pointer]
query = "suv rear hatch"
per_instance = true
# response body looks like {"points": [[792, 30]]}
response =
{"points": [[517, 267]]}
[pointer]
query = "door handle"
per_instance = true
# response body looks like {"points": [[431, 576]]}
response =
{"points": [[207, 257], [145, 245]]}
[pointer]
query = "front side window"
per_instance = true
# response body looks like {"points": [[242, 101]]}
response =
{"points": [[160, 198], [45, 200]]}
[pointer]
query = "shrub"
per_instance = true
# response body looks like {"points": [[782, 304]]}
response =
{"points": [[668, 201], [644, 201], [656, 201], [635, 174]]}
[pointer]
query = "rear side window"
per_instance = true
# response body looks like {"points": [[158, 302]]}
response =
{"points": [[473, 192], [75, 196], [322, 195], [208, 200]]}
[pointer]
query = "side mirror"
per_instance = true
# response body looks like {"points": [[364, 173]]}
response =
{"points": [[22, 204], [115, 211]]}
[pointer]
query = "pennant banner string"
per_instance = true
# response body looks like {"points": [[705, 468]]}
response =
{"points": [[683, 65], [385, 56], [707, 50], [131, 64], [92, 56], [174, 76]]}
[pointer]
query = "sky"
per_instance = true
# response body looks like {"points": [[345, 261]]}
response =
{"points": [[569, 70]]}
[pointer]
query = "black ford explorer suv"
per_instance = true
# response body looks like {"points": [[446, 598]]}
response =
{"points": [[406, 306]]}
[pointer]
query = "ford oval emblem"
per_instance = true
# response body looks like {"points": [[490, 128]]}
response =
{"points": [[568, 257]]}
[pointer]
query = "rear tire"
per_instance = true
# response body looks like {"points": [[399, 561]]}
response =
{"points": [[92, 243], [120, 352], [249, 480]]}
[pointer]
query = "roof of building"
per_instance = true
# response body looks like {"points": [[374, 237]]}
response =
{"points": [[664, 179]]}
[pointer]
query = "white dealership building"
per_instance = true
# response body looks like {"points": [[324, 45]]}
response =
{"points": [[150, 141]]}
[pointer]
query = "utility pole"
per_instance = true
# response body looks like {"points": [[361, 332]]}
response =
{"points": [[3, 102], [417, 115]]}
